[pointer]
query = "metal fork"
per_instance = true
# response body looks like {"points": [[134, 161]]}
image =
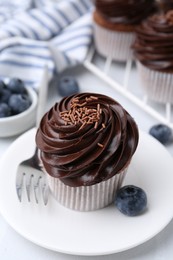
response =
{"points": [[29, 176]]}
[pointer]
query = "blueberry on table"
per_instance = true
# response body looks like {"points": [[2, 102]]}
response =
{"points": [[19, 103], [131, 200], [5, 110], [16, 86], [67, 86], [162, 133]]}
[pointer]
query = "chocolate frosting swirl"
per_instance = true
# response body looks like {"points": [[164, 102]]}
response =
{"points": [[153, 46], [86, 138], [130, 12]]}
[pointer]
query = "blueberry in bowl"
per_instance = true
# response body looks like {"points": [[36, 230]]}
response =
{"points": [[2, 86], [5, 95], [17, 107], [19, 103], [16, 86], [131, 200], [67, 85], [5, 110]]}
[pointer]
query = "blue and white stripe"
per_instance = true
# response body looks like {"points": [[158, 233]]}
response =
{"points": [[10, 8], [58, 37], [73, 43], [43, 24], [25, 58], [43, 3]]}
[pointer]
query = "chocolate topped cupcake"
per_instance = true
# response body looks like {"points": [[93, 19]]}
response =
{"points": [[124, 12], [164, 5], [86, 143], [115, 22], [153, 50]]}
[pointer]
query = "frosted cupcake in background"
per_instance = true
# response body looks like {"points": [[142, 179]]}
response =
{"points": [[86, 144], [164, 5], [115, 22], [153, 50]]}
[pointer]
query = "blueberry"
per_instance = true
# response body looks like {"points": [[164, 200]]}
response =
{"points": [[5, 95], [67, 86], [162, 133], [2, 86], [131, 200], [19, 103], [5, 110], [16, 86]]}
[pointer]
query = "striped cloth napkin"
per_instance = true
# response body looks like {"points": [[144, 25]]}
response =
{"points": [[57, 36]]}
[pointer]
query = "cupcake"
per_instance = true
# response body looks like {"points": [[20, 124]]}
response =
{"points": [[164, 5], [115, 22], [86, 144], [153, 49]]}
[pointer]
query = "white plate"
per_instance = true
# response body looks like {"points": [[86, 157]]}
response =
{"points": [[105, 231]]}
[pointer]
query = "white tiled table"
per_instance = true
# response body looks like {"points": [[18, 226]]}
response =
{"points": [[13, 246]]}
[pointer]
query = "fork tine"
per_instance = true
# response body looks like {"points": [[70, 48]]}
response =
{"points": [[28, 186], [45, 193], [19, 185], [36, 189]]}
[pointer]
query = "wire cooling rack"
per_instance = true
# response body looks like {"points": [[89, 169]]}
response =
{"points": [[124, 79]]}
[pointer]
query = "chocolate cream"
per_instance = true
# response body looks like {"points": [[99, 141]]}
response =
{"points": [[86, 138], [164, 5], [128, 12], [154, 42]]}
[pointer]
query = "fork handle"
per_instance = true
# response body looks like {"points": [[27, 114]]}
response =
{"points": [[35, 160]]}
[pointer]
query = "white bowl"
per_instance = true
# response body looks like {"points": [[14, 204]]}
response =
{"points": [[17, 124]]}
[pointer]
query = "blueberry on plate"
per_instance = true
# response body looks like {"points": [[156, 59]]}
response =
{"points": [[162, 133], [5, 110], [16, 86], [67, 86], [19, 103], [131, 200]]}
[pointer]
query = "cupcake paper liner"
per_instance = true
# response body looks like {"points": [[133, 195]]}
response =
{"points": [[114, 44], [86, 198], [158, 86]]}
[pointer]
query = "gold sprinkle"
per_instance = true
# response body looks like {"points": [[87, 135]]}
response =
{"points": [[88, 99], [94, 98], [63, 112], [103, 125], [96, 124], [77, 113], [82, 126], [100, 145], [75, 100], [72, 118], [83, 104], [80, 120]]}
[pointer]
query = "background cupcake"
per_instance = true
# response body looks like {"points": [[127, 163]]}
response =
{"points": [[164, 5], [115, 22], [153, 50], [86, 143]]}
